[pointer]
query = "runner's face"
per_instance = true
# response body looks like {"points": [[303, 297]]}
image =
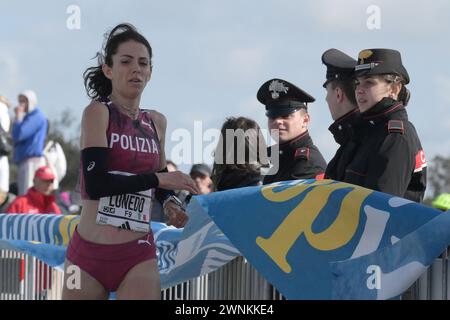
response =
{"points": [[131, 69]]}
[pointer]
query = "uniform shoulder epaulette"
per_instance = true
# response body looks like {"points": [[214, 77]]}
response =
{"points": [[396, 126], [302, 153]]}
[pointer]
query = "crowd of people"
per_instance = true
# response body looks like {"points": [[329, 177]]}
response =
{"points": [[25, 140], [367, 97]]}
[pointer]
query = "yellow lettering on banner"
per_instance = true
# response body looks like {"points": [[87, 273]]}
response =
{"points": [[299, 221], [67, 228]]}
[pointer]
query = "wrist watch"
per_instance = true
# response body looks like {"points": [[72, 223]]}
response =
{"points": [[173, 199]]}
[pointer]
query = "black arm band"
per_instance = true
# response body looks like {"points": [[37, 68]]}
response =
{"points": [[99, 183], [162, 194]]}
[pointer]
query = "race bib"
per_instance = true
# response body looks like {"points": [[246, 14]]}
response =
{"points": [[130, 211]]}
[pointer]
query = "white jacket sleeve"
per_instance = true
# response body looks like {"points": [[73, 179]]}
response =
{"points": [[5, 121]]}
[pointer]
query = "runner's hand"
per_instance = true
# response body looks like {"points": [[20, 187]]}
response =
{"points": [[176, 180], [176, 216]]}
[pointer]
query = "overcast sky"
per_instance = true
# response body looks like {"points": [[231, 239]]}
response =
{"points": [[210, 57]]}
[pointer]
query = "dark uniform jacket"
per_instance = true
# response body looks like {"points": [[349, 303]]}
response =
{"points": [[389, 157], [298, 159], [344, 131]]}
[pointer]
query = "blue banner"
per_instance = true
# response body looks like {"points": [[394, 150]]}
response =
{"points": [[330, 240]]}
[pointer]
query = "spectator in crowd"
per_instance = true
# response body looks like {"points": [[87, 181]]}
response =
{"points": [[238, 160], [442, 202], [39, 198], [65, 202], [55, 159], [201, 174], [5, 123], [29, 131], [228, 171]]}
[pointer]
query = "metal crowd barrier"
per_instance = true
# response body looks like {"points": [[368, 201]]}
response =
{"points": [[24, 277], [434, 283]]}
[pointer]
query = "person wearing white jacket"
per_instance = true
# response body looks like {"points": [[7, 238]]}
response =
{"points": [[5, 123], [56, 160]]}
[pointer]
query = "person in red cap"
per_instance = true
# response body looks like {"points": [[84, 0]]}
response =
{"points": [[39, 198]]}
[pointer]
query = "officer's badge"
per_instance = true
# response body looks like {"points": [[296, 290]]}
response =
{"points": [[276, 87], [364, 55]]}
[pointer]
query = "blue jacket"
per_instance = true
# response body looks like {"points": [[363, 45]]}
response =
{"points": [[29, 136]]}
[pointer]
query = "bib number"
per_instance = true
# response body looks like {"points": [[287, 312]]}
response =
{"points": [[130, 211]]}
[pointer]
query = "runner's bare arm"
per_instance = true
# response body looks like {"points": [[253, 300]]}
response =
{"points": [[94, 125]]}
